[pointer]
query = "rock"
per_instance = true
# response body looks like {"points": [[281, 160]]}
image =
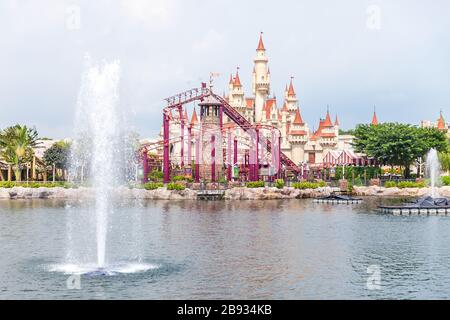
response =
{"points": [[4, 193]]}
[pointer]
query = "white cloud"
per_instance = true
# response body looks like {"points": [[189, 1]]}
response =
{"points": [[154, 14], [211, 40]]}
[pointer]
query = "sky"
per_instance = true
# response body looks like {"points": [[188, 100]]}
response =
{"points": [[349, 54]]}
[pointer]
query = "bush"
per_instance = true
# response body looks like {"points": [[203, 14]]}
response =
{"points": [[153, 185], [350, 188], [175, 186], [255, 184], [182, 178], [411, 184], [390, 184], [446, 180], [308, 185], [7, 184], [279, 183], [156, 175], [223, 180], [36, 184]]}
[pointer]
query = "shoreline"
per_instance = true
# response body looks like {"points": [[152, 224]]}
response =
{"points": [[237, 193]]}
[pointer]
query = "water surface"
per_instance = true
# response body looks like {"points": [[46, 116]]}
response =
{"points": [[291, 249]]}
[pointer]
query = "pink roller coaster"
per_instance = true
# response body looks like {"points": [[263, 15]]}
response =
{"points": [[225, 144]]}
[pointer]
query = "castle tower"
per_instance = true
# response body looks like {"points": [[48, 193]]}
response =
{"points": [[236, 94], [291, 100], [261, 79], [210, 148]]}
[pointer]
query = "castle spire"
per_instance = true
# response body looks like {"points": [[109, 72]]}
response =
{"points": [[441, 122], [374, 117], [298, 118], [260, 43], [237, 81], [291, 92], [194, 119], [327, 122], [336, 122]]}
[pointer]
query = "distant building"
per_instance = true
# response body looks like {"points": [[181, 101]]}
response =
{"points": [[439, 124]]}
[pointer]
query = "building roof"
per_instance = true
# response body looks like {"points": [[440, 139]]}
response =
{"points": [[441, 123], [336, 122], [249, 102], [194, 119], [298, 132], [327, 122], [237, 81], [374, 119], [291, 92], [298, 118], [260, 43]]}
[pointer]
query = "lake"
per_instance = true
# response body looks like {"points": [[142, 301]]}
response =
{"points": [[291, 249]]}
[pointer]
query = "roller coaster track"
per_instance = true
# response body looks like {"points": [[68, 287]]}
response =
{"points": [[201, 93]]}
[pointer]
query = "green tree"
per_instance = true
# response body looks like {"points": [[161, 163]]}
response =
{"points": [[444, 158], [58, 154], [397, 144], [16, 144]]}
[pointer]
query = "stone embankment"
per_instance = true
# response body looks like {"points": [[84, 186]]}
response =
{"points": [[238, 193], [399, 192]]}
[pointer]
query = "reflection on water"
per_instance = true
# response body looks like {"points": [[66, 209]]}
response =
{"points": [[292, 249]]}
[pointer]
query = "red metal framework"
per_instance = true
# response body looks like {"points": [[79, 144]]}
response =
{"points": [[253, 130]]}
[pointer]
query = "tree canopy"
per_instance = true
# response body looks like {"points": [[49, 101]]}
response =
{"points": [[16, 144], [58, 154], [397, 144]]}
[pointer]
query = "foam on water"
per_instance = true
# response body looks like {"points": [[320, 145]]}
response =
{"points": [[93, 269]]}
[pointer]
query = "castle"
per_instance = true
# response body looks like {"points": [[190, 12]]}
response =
{"points": [[299, 142]]}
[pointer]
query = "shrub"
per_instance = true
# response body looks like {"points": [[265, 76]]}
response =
{"points": [[390, 184], [308, 185], [7, 184], [153, 185], [410, 184], [446, 180], [279, 183], [175, 186], [255, 184], [156, 175], [350, 188], [223, 180]]}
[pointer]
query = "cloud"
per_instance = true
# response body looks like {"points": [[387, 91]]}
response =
{"points": [[154, 14], [212, 40]]}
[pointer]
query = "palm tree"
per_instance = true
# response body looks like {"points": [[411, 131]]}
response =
{"points": [[16, 145]]}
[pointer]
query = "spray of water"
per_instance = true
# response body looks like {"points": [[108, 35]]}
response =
{"points": [[433, 170], [97, 146], [103, 160]]}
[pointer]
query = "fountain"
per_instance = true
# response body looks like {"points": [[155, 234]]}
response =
{"points": [[431, 204], [100, 158], [433, 169]]}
